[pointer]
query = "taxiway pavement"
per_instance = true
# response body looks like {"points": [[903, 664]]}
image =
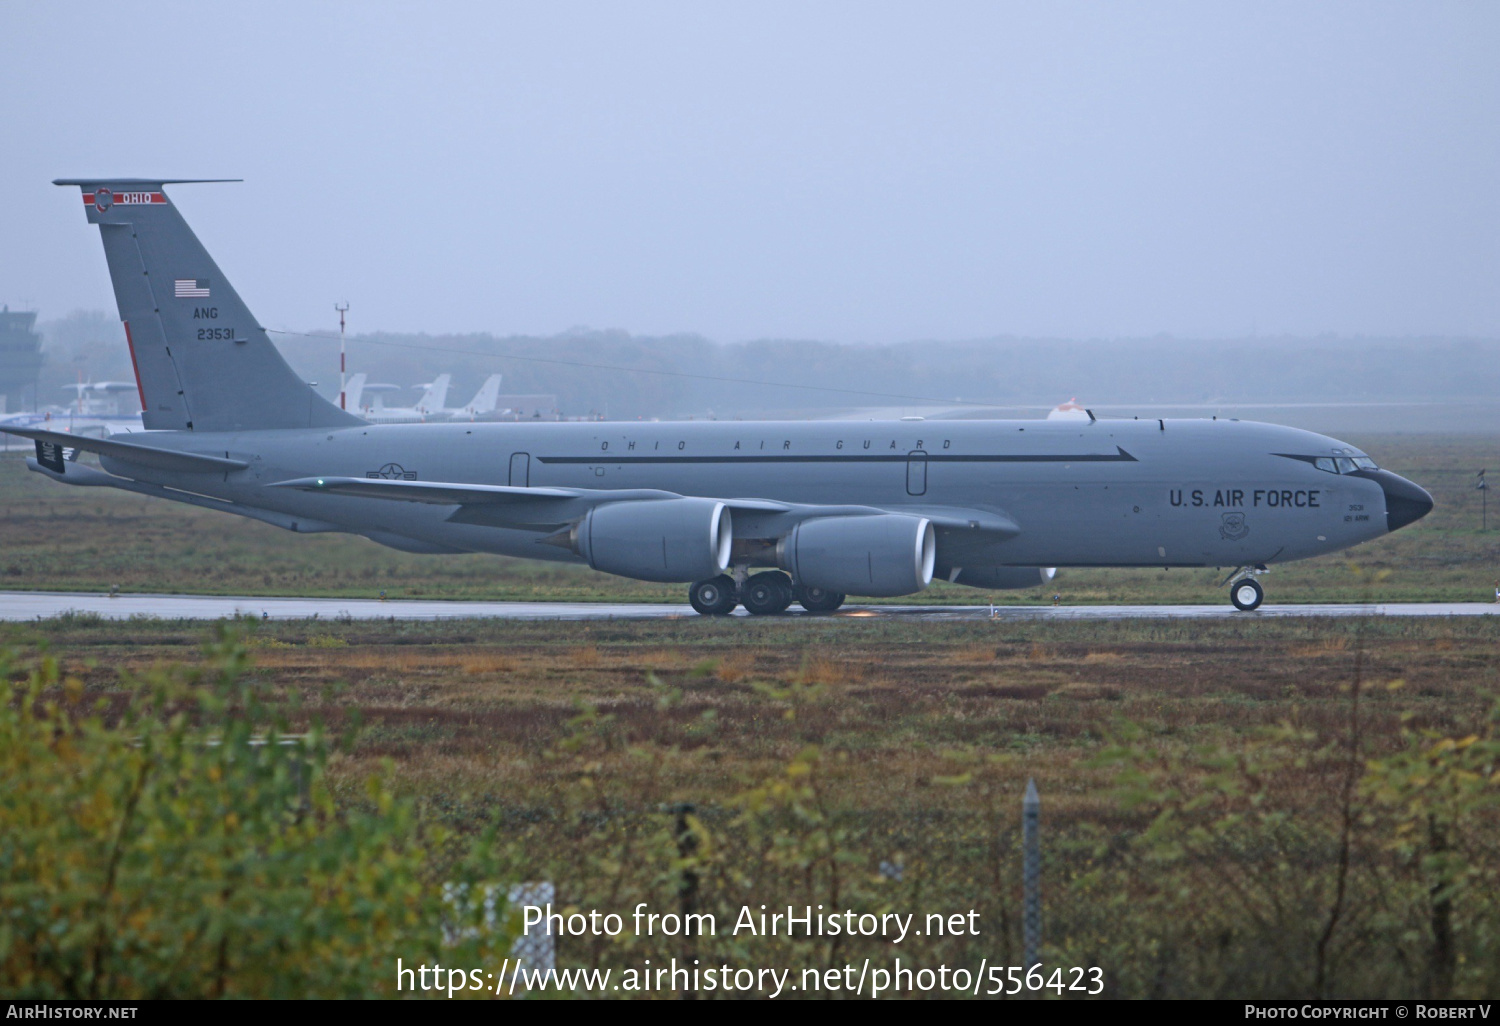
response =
{"points": [[34, 605]]}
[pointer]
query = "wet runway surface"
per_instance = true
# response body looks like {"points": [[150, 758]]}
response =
{"points": [[32, 605]]}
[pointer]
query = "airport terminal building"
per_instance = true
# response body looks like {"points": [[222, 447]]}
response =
{"points": [[20, 360]]}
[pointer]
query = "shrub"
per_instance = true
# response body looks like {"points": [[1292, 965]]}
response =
{"points": [[185, 846]]}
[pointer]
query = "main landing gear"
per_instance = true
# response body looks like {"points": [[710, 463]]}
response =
{"points": [[715, 597], [767, 594], [763, 594], [819, 600], [1244, 590]]}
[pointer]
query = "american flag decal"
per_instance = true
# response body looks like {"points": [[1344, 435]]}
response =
{"points": [[190, 288]]}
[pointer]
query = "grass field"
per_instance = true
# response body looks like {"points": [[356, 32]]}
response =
{"points": [[92, 539], [475, 697], [1193, 777]]}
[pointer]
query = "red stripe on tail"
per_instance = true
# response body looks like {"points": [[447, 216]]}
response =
{"points": [[130, 342]]}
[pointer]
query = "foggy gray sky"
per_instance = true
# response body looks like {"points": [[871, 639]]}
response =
{"points": [[853, 172]]}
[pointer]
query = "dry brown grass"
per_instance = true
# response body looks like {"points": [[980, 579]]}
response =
{"points": [[489, 663], [826, 670], [973, 654], [737, 666], [467, 707], [1094, 658], [665, 659], [401, 661], [1088, 692], [1323, 647]]}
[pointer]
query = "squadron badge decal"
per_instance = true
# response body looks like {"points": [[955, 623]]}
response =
{"points": [[1234, 527]]}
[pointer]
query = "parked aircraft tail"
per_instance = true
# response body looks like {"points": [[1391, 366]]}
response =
{"points": [[202, 361], [436, 397], [485, 399], [354, 391]]}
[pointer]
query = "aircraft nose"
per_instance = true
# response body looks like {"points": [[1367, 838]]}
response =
{"points": [[1405, 502]]}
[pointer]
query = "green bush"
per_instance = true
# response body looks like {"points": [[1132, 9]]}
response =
{"points": [[181, 845]]}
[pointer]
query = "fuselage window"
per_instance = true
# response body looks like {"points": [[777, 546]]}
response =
{"points": [[1365, 463], [1325, 463], [1346, 465]]}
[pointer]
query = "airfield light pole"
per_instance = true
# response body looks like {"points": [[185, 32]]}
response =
{"points": [[342, 366], [1483, 489]]}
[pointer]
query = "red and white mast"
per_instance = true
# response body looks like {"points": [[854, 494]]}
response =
{"points": [[342, 365]]}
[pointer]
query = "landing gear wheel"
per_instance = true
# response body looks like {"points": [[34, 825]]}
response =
{"points": [[1246, 594], [715, 597], [768, 593], [819, 600]]}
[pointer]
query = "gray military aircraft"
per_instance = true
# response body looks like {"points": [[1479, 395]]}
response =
{"points": [[827, 509]]}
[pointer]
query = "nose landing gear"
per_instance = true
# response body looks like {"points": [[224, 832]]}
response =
{"points": [[1244, 590], [1246, 594]]}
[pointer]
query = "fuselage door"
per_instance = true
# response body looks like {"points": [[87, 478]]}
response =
{"points": [[520, 470], [916, 473]]}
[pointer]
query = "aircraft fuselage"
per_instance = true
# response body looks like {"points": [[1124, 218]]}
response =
{"points": [[1109, 493]]}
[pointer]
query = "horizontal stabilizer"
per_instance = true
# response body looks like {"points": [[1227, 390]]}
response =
{"points": [[143, 181], [132, 452]]}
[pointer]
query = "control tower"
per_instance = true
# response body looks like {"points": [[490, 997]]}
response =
{"points": [[20, 360]]}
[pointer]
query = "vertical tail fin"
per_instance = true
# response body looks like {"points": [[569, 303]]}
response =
{"points": [[435, 399], [202, 361], [354, 392], [485, 399]]}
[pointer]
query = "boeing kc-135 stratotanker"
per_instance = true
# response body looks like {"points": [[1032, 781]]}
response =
{"points": [[822, 509]]}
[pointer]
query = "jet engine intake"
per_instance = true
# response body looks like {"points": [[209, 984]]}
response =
{"points": [[670, 540], [881, 555], [997, 577]]}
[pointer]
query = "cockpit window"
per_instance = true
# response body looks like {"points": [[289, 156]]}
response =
{"points": [[1336, 464]]}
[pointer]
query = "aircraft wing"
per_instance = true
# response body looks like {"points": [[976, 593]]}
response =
{"points": [[447, 494], [435, 493], [131, 452], [519, 506], [991, 522]]}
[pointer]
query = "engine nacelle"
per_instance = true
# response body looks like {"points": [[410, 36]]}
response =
{"points": [[657, 539], [881, 555], [997, 577]]}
